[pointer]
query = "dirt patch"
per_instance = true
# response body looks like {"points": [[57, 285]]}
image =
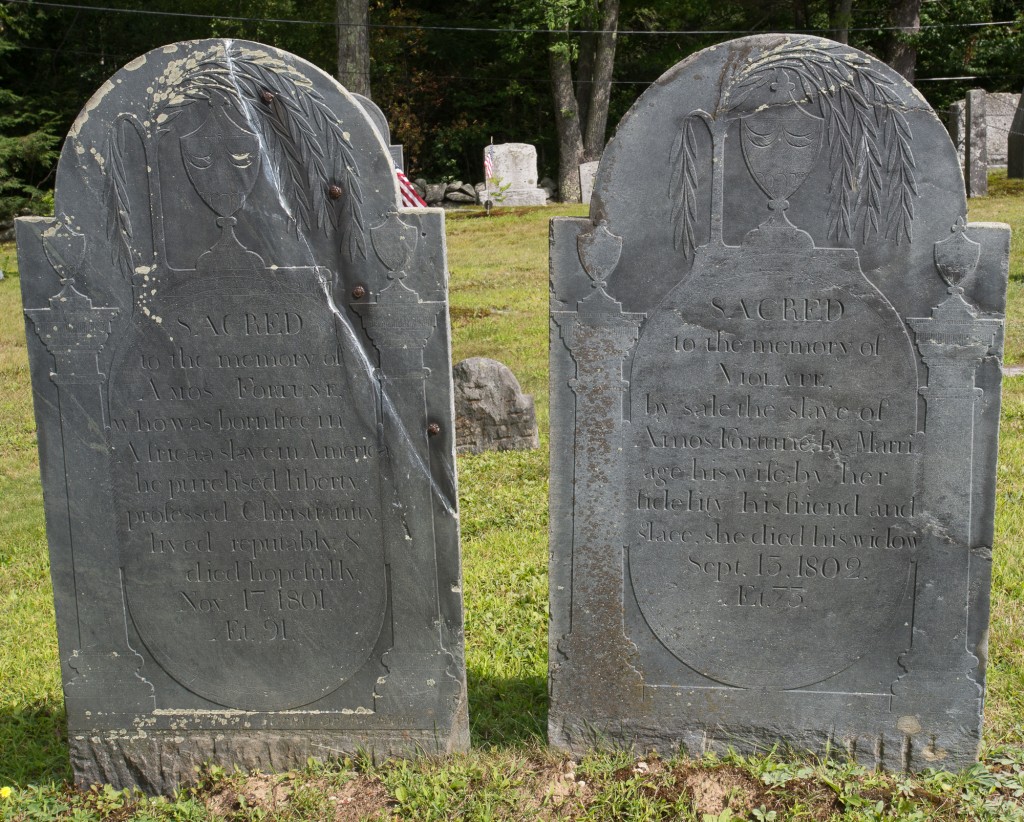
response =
{"points": [[457, 313], [714, 790], [359, 798], [265, 791]]}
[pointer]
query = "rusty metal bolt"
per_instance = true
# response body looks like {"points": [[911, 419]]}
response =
{"points": [[433, 429], [334, 191], [266, 97], [358, 292]]}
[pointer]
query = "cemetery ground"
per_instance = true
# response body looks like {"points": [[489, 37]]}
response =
{"points": [[499, 303]]}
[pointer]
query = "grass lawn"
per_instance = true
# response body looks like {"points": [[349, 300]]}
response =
{"points": [[499, 298]]}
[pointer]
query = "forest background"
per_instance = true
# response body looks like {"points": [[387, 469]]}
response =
{"points": [[452, 76]]}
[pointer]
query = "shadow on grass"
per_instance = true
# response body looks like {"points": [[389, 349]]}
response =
{"points": [[507, 711], [33, 746]]}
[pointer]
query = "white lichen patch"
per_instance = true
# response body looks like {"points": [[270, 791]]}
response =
{"points": [[93, 102], [143, 269], [136, 64]]}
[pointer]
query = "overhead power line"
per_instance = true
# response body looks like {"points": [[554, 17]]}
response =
{"points": [[483, 29]]}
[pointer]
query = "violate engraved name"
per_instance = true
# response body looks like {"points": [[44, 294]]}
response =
{"points": [[772, 479], [248, 479]]}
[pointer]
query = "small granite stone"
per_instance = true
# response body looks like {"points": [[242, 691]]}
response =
{"points": [[491, 411], [434, 193]]}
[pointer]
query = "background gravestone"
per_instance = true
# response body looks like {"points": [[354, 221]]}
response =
{"points": [[514, 180], [380, 123], [491, 411], [1015, 144], [976, 144], [239, 351], [588, 171], [774, 406], [1000, 108]]}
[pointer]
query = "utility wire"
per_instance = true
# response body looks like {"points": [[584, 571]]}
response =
{"points": [[483, 29], [470, 78]]}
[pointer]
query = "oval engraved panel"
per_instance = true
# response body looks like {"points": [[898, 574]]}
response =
{"points": [[772, 474], [247, 475]]}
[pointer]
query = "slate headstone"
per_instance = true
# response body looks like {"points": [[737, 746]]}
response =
{"points": [[976, 144], [491, 411], [514, 181], [774, 408], [239, 348], [587, 173], [1015, 144], [380, 123]]}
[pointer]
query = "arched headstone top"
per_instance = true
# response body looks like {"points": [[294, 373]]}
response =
{"points": [[287, 139], [844, 146]]}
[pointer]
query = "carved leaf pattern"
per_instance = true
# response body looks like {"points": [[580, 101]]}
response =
{"points": [[683, 188], [307, 145], [866, 124], [119, 223]]}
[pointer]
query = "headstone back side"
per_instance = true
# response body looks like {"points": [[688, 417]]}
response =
{"points": [[239, 349], [774, 407]]}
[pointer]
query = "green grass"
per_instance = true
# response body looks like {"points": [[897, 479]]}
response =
{"points": [[499, 297]]}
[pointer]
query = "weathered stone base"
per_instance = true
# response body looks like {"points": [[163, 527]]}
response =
{"points": [[522, 197], [158, 762], [953, 749]]}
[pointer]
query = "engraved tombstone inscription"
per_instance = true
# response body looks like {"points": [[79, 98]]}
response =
{"points": [[239, 347], [775, 399]]}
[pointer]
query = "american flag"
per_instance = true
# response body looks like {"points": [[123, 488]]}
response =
{"points": [[488, 164], [410, 199]]}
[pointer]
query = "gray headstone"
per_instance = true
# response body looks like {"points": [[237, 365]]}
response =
{"points": [[774, 407], [976, 144], [1015, 144], [239, 352], [514, 182], [957, 127], [380, 124], [491, 411], [587, 173], [1000, 108]]}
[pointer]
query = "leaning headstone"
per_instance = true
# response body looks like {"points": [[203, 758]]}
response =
{"points": [[975, 145], [514, 179], [239, 349], [380, 124], [1015, 144], [587, 173], [491, 411], [774, 408]]}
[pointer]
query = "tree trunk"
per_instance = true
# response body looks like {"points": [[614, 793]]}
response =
{"points": [[585, 73], [601, 89], [840, 12], [902, 53], [353, 24], [567, 122]]}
